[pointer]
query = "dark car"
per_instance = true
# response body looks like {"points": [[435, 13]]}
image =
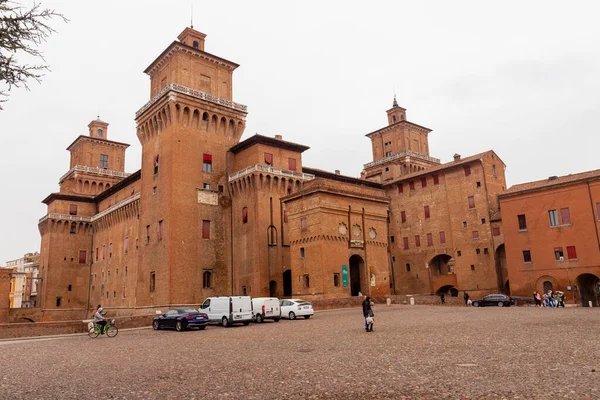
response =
{"points": [[499, 300], [181, 319]]}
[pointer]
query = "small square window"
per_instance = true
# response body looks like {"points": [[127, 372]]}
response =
{"points": [[477, 251], [483, 220], [206, 186], [472, 267], [478, 184], [392, 238], [475, 235], [387, 169], [464, 224], [458, 253], [527, 256], [486, 251], [292, 164]]}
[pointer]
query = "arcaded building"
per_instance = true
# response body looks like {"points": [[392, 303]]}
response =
{"points": [[552, 236], [208, 214]]}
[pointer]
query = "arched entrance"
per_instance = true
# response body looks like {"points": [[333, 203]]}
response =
{"points": [[287, 283], [273, 288], [357, 266], [501, 268], [448, 289], [548, 287], [507, 288], [589, 288], [442, 264]]}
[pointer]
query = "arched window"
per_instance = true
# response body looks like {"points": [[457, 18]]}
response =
{"points": [[196, 44], [336, 279], [207, 279], [547, 286], [393, 118], [99, 132]]}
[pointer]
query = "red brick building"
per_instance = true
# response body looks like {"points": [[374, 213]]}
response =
{"points": [[551, 228], [209, 215]]}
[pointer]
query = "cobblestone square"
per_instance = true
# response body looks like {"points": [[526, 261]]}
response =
{"points": [[419, 352]]}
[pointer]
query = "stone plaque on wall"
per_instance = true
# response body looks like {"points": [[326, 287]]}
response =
{"points": [[207, 197]]}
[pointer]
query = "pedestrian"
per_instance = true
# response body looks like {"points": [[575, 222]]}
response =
{"points": [[466, 297], [561, 299], [538, 299], [443, 298], [368, 313]]}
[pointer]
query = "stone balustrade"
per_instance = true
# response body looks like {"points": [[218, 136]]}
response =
{"points": [[270, 170]]}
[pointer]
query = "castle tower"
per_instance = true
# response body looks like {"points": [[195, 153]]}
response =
{"points": [[186, 130], [399, 149]]}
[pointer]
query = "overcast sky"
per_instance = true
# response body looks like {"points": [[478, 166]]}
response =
{"points": [[519, 77]]}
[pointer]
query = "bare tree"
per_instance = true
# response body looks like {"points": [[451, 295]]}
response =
{"points": [[21, 32]]}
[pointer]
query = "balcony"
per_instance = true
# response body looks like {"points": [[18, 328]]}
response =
{"points": [[402, 154], [65, 217], [270, 170], [94, 171]]}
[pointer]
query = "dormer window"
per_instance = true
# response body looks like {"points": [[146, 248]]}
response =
{"points": [[196, 44], [99, 132]]}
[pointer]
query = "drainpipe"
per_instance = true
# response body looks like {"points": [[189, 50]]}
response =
{"points": [[230, 214], [391, 262], [365, 250], [90, 277], [593, 214]]}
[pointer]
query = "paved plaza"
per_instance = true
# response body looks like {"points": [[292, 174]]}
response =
{"points": [[419, 352]]}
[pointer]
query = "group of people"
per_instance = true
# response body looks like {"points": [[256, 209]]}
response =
{"points": [[549, 299]]}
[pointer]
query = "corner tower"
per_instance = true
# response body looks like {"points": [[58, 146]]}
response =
{"points": [[186, 130], [400, 148]]}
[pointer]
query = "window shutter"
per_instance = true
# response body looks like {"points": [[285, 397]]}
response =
{"points": [[205, 229], [207, 158], [429, 239], [292, 164], [403, 216], [411, 184], [565, 216], [471, 202], [442, 237], [269, 158], [426, 208], [424, 182], [73, 209], [475, 234], [571, 252], [405, 242], [496, 231], [467, 170], [417, 241], [82, 256], [436, 179]]}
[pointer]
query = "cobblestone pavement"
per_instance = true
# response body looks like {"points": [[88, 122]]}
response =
{"points": [[419, 352]]}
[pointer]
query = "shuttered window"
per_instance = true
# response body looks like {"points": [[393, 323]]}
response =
{"points": [[426, 209], [475, 235], [82, 256], [471, 201], [565, 216], [496, 231], [442, 237], [571, 252], [436, 180], [205, 229], [424, 182], [403, 216], [467, 170], [429, 239], [411, 185], [417, 241], [401, 190], [269, 158], [405, 243], [73, 209], [292, 164]]}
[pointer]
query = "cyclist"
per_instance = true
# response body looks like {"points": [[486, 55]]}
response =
{"points": [[99, 319]]}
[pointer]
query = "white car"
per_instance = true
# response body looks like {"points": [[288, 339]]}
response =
{"points": [[296, 308]]}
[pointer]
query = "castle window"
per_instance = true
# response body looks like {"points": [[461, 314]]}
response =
{"points": [[471, 200], [306, 281], [417, 241], [82, 256], [403, 216], [73, 209], [245, 215], [268, 158], [527, 256], [302, 252], [386, 168], [571, 252], [496, 231], [285, 216], [152, 281], [155, 165], [411, 185], [402, 117], [472, 267], [336, 279], [478, 184], [477, 251], [426, 209], [522, 222], [424, 181], [292, 164], [207, 279], [73, 228], [100, 132], [205, 229], [436, 180], [458, 253], [110, 250], [401, 190], [160, 229], [467, 170], [207, 163], [442, 237], [303, 223], [196, 44], [126, 245], [103, 161], [494, 170], [70, 288], [392, 238], [429, 239], [485, 250], [407, 267], [97, 253], [388, 154], [475, 235], [147, 234], [58, 300], [405, 243], [464, 224]]}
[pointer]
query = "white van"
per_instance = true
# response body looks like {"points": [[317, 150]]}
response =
{"points": [[266, 308], [228, 310]]}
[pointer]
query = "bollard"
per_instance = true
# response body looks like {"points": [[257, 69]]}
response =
{"points": [[412, 301], [388, 302], [590, 303]]}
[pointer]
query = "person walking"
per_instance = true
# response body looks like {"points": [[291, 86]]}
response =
{"points": [[443, 298], [466, 297], [538, 299], [368, 313]]}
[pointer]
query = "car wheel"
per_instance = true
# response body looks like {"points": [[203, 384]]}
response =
{"points": [[292, 315], [306, 316], [276, 320], [155, 325], [225, 322], [476, 304], [203, 327], [500, 304], [259, 318], [179, 326]]}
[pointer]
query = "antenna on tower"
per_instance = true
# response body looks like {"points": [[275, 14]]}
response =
{"points": [[192, 16]]}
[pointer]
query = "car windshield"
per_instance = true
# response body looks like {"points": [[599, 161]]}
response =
{"points": [[187, 310]]}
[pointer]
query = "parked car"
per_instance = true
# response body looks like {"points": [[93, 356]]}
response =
{"points": [[181, 319], [500, 300], [296, 308], [266, 308], [227, 310]]}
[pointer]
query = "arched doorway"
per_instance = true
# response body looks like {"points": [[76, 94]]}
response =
{"points": [[548, 286], [589, 288], [507, 288], [448, 289], [287, 283], [442, 264], [273, 288], [501, 267], [357, 266]]}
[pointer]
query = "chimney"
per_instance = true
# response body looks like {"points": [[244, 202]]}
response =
{"points": [[553, 178], [456, 157], [337, 171], [279, 137]]}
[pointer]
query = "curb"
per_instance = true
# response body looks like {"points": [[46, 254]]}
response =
{"points": [[66, 335]]}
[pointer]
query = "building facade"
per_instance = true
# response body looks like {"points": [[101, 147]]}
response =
{"points": [[208, 214], [24, 281], [551, 228]]}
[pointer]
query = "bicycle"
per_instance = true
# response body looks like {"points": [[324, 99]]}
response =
{"points": [[110, 329]]}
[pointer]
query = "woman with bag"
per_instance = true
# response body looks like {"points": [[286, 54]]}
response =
{"points": [[368, 314]]}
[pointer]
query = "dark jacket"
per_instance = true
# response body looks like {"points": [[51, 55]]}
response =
{"points": [[366, 305]]}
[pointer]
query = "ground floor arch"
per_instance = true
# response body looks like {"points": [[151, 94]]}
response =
{"points": [[357, 267], [442, 264], [588, 287], [273, 289], [448, 290]]}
